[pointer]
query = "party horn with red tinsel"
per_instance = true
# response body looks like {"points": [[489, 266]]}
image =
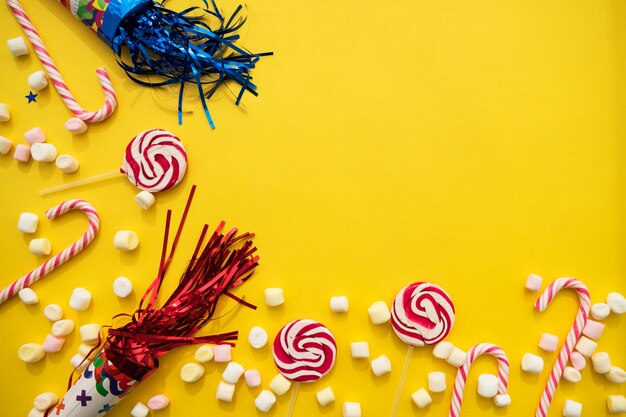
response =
{"points": [[131, 353]]}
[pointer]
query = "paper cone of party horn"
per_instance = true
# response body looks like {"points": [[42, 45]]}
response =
{"points": [[157, 46], [131, 353]]}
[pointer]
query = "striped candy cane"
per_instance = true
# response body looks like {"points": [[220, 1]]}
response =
{"points": [[573, 335], [52, 263], [110, 100], [461, 376]]}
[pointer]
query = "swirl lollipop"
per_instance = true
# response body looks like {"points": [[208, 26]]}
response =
{"points": [[422, 314], [155, 160], [304, 351]]}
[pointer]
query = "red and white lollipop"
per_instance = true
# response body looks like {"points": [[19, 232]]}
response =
{"points": [[155, 160], [422, 314], [304, 350]]}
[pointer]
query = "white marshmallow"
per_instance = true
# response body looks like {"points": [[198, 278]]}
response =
{"points": [[27, 222], [265, 401], [572, 374], [257, 337], [600, 311], [616, 375], [140, 410], [126, 240], [38, 80], [443, 350], [616, 404], [225, 392], [80, 299], [532, 363], [502, 400], [62, 328], [78, 362], [5, 113], [204, 353], [233, 372], [572, 409], [86, 350], [457, 357], [122, 287], [351, 409], [191, 372], [40, 247], [279, 384], [90, 333], [379, 312], [381, 365], [274, 297], [35, 413], [586, 346], [5, 145], [43, 152], [616, 302], [487, 385], [339, 304], [31, 352], [28, 296], [45, 400], [601, 362], [421, 398], [360, 350], [144, 199], [436, 381], [17, 46], [53, 312], [325, 396], [67, 163]]}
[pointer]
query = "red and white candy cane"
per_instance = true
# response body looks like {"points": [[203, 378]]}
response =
{"points": [[61, 258], [461, 375], [571, 339], [110, 99]]}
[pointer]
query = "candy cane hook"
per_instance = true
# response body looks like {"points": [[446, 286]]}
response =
{"points": [[110, 100], [570, 341], [461, 376], [59, 259]]}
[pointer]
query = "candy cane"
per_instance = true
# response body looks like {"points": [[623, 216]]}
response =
{"points": [[573, 335], [461, 376], [55, 262], [110, 100]]}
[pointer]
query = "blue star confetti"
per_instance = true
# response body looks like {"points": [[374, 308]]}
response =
{"points": [[31, 97]]}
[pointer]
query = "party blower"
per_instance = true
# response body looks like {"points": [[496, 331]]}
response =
{"points": [[131, 353]]}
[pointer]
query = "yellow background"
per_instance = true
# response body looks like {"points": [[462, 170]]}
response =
{"points": [[468, 143]]}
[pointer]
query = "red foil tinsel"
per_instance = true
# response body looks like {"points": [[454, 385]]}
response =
{"points": [[224, 262]]}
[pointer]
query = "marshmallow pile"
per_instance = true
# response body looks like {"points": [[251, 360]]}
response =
{"points": [[450, 353], [27, 223], [158, 402]]}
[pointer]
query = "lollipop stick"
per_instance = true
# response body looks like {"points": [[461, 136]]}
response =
{"points": [[405, 370], [292, 401], [78, 183]]}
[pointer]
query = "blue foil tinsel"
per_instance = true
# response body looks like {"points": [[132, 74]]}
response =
{"points": [[180, 47]]}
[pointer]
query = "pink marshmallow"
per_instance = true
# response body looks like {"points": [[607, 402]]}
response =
{"points": [[21, 153], [158, 402], [533, 283], [35, 135], [593, 329], [549, 342], [76, 126], [578, 361], [222, 353], [53, 343], [253, 378]]}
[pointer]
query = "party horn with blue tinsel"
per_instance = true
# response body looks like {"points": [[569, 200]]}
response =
{"points": [[158, 47]]}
